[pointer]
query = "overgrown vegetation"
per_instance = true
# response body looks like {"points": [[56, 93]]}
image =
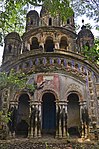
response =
{"points": [[4, 119], [13, 15], [92, 53], [16, 80], [13, 12]]}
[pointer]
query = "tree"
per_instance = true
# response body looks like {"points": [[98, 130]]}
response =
{"points": [[12, 81], [16, 81], [13, 13], [88, 7], [92, 53]]}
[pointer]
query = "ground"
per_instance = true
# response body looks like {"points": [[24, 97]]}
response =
{"points": [[47, 143]]}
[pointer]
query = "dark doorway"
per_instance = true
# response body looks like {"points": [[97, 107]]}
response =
{"points": [[73, 110], [49, 45], [35, 43], [50, 21], [23, 116], [48, 114], [22, 129], [63, 43]]}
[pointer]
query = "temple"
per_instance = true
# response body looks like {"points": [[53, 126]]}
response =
{"points": [[65, 102]]}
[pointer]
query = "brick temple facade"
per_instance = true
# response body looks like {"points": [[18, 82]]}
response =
{"points": [[66, 99]]}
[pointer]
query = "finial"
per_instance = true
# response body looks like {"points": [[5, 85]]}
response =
{"points": [[83, 21], [83, 26]]}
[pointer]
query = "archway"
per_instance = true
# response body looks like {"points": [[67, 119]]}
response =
{"points": [[49, 45], [48, 114], [23, 116], [35, 44], [73, 112], [63, 43]]}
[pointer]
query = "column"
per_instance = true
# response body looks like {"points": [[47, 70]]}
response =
{"points": [[39, 121], [35, 127], [57, 120], [86, 120], [56, 45], [65, 120], [33, 122], [60, 121], [82, 124], [30, 130]]}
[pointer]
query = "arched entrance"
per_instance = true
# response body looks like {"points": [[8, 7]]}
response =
{"points": [[49, 45], [23, 116], [73, 112], [35, 43], [63, 43], [48, 114]]}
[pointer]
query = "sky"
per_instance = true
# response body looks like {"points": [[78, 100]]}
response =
{"points": [[78, 21]]}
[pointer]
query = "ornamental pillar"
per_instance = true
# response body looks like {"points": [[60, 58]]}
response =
{"points": [[65, 120], [57, 120], [60, 121], [82, 124], [35, 127], [39, 121], [30, 130]]}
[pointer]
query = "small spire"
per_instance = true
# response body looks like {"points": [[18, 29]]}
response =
{"points": [[83, 21], [83, 26]]}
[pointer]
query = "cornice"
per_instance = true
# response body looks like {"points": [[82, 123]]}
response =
{"points": [[53, 29], [30, 55]]}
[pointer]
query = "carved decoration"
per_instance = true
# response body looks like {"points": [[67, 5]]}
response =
{"points": [[74, 88]]}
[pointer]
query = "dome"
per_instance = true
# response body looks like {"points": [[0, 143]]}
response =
{"points": [[32, 13], [32, 20], [13, 35], [85, 33]]}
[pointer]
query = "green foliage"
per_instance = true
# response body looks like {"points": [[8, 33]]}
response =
{"points": [[59, 7], [92, 53], [13, 13], [90, 8], [15, 80], [4, 119], [46, 145]]}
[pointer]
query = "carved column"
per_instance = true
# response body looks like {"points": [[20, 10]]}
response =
{"points": [[86, 123], [33, 121], [65, 120], [60, 122], [39, 121], [82, 124], [30, 131], [85, 120], [35, 128], [57, 120], [56, 45]]}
